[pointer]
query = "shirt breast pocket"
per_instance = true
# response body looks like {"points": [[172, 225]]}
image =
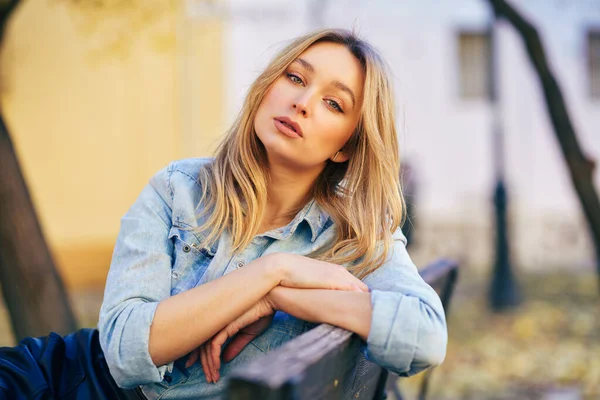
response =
{"points": [[190, 260]]}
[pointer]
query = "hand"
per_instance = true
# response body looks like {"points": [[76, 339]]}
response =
{"points": [[306, 273], [248, 326]]}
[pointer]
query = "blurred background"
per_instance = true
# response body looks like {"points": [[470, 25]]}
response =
{"points": [[99, 95]]}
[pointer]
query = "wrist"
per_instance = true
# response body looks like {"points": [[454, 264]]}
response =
{"points": [[274, 268], [271, 268], [273, 298]]}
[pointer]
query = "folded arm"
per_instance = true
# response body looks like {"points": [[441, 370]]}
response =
{"points": [[402, 319], [143, 329], [349, 310]]}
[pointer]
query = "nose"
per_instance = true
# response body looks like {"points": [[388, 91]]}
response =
{"points": [[300, 109], [301, 104]]}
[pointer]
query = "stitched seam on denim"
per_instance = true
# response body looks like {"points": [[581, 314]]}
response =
{"points": [[324, 218], [189, 176], [166, 223], [183, 225], [169, 173], [313, 229], [258, 348], [296, 221], [171, 387], [194, 248], [193, 230]]}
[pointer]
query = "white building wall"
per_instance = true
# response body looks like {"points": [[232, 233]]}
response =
{"points": [[448, 139]]}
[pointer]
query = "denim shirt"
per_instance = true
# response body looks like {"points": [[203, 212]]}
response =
{"points": [[158, 254]]}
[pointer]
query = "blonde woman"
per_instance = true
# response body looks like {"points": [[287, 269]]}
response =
{"points": [[294, 222], [298, 213]]}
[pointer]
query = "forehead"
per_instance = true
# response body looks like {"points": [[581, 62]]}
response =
{"points": [[334, 62]]}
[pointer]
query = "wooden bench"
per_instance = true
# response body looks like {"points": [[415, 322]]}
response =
{"points": [[324, 363]]}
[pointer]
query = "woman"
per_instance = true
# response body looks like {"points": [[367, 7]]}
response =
{"points": [[295, 222]]}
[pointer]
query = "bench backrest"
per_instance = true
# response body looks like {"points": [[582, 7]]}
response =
{"points": [[324, 363]]}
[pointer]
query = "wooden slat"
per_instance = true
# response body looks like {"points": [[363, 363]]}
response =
{"points": [[316, 364], [438, 271]]}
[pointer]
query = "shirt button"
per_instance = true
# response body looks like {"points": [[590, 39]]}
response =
{"points": [[186, 248], [174, 274], [240, 264]]}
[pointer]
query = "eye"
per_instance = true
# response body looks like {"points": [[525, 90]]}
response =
{"points": [[334, 105], [295, 78]]}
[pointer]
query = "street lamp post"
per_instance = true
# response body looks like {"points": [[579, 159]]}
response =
{"points": [[504, 290]]}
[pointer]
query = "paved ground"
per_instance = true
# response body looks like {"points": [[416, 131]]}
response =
{"points": [[547, 349]]}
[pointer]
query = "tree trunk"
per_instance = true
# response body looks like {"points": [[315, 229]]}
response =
{"points": [[581, 168], [33, 291]]}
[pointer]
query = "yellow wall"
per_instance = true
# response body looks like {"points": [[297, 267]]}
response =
{"points": [[93, 118]]}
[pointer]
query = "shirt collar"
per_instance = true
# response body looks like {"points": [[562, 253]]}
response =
{"points": [[312, 213], [316, 218]]}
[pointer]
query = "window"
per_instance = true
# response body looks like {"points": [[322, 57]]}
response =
{"points": [[593, 49], [475, 64]]}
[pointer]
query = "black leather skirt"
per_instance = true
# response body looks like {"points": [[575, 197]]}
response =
{"points": [[57, 367]]}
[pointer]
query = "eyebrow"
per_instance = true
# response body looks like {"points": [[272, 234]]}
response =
{"points": [[336, 84]]}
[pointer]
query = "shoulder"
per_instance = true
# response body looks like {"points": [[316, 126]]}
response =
{"points": [[189, 167], [178, 184], [184, 172]]}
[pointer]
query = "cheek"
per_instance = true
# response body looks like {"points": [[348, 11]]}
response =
{"points": [[335, 132], [274, 96]]}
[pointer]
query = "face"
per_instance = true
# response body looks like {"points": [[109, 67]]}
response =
{"points": [[311, 111]]}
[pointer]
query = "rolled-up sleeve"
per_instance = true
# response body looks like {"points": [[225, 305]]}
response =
{"points": [[138, 279], [408, 327]]}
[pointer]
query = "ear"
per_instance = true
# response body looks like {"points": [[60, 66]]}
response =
{"points": [[342, 156]]}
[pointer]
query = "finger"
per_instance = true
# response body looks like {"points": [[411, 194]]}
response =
{"points": [[218, 342], [245, 336], [192, 358], [205, 367], [236, 346], [215, 359], [204, 364], [209, 359]]}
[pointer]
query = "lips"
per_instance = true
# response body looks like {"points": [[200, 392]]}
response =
{"points": [[288, 123]]}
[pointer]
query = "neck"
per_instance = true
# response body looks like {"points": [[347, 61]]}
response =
{"points": [[287, 192]]}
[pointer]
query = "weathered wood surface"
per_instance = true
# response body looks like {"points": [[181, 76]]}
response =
{"points": [[325, 362], [319, 364]]}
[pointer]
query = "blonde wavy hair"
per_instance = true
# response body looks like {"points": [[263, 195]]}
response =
{"points": [[362, 195]]}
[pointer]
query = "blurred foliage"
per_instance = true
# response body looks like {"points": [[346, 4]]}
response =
{"points": [[551, 341], [114, 26]]}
